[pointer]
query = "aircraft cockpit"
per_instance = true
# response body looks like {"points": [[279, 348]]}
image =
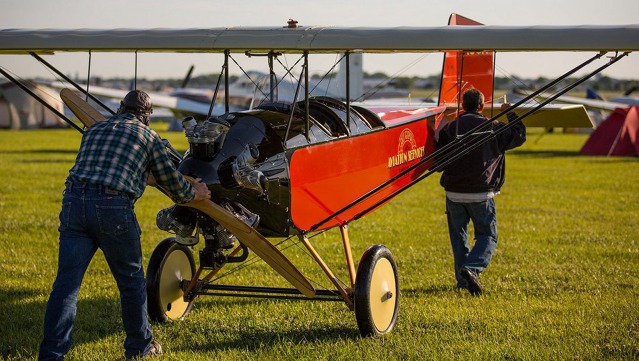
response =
{"points": [[328, 118]]}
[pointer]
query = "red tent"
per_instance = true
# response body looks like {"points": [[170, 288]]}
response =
{"points": [[618, 135]]}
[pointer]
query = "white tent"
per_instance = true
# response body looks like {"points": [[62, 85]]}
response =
{"points": [[19, 110]]}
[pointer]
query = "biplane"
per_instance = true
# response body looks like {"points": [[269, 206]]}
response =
{"points": [[292, 168]]}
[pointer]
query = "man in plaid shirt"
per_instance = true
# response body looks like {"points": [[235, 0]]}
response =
{"points": [[117, 159]]}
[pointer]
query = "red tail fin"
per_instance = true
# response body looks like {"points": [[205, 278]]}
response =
{"points": [[465, 70]]}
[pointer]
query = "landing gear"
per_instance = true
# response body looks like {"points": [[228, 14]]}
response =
{"points": [[376, 292], [374, 295], [170, 264]]}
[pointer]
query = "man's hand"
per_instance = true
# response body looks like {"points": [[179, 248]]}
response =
{"points": [[151, 180], [505, 106], [510, 115], [202, 191]]}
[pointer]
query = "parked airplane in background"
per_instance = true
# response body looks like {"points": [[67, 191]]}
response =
{"points": [[626, 98], [249, 90], [596, 104], [598, 107]]}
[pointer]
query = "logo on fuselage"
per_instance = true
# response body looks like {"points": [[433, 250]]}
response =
{"points": [[407, 150]]}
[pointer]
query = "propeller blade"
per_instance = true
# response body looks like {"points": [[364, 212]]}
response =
{"points": [[256, 243], [87, 114]]}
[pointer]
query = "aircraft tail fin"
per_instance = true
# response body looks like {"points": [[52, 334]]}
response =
{"points": [[465, 70], [592, 93], [187, 78]]}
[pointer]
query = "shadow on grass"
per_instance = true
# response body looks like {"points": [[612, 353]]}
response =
{"points": [[23, 318], [608, 160], [545, 153], [256, 339], [42, 151], [48, 161], [568, 154], [260, 335], [431, 290], [29, 156]]}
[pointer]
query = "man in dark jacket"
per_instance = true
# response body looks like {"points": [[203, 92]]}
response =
{"points": [[471, 183]]}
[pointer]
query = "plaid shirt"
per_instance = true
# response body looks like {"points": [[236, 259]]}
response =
{"points": [[119, 153]]}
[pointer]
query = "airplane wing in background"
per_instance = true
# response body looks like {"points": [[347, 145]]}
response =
{"points": [[588, 103], [178, 105], [550, 116], [556, 116]]}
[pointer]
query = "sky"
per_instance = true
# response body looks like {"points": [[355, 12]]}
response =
{"points": [[69, 14]]}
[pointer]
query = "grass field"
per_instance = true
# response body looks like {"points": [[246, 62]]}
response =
{"points": [[564, 283]]}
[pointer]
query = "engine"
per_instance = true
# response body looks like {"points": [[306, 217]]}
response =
{"points": [[205, 138], [206, 141], [179, 220]]}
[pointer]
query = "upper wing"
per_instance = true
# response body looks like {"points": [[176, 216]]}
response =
{"points": [[326, 39]]}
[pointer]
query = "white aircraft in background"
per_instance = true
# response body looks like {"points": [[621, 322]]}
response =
{"points": [[626, 98], [249, 90], [598, 108], [593, 100]]}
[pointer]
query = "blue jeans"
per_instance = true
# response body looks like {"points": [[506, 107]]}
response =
{"points": [[93, 217], [484, 217]]}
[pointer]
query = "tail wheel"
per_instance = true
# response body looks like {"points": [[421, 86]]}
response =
{"points": [[376, 292], [170, 263]]}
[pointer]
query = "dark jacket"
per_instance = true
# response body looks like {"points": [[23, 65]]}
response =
{"points": [[484, 168]]}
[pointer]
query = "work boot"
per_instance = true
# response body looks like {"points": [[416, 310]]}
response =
{"points": [[472, 280]]}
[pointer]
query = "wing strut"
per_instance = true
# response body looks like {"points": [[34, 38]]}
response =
{"points": [[446, 150], [75, 85], [227, 96], [297, 93], [225, 68], [135, 77], [348, 90], [307, 120]]}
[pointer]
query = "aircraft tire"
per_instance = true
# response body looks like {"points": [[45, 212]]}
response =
{"points": [[170, 263], [376, 292]]}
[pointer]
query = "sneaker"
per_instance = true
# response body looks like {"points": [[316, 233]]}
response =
{"points": [[474, 287], [155, 350]]}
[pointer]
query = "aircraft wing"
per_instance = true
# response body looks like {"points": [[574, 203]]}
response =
{"points": [[589, 103], [592, 103], [626, 101], [173, 103], [319, 39], [550, 116], [556, 116]]}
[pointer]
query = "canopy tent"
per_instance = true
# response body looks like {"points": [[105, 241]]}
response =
{"points": [[618, 135]]}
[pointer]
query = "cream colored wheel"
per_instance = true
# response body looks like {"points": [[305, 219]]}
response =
{"points": [[376, 292], [170, 264]]}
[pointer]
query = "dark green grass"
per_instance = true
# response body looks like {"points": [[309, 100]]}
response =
{"points": [[564, 283]]}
